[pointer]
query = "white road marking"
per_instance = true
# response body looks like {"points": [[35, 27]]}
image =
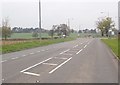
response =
{"points": [[64, 51], [23, 55], [14, 58], [75, 46], [3, 79], [52, 64], [4, 61], [31, 53], [61, 58], [38, 51], [85, 46], [35, 65], [43, 50], [60, 65], [79, 51], [33, 74], [81, 43]]}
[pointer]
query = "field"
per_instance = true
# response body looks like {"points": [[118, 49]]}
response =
{"points": [[113, 44], [26, 35], [31, 44]]}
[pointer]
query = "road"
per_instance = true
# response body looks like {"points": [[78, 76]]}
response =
{"points": [[84, 60]]}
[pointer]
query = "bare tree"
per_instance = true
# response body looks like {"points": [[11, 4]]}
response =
{"points": [[6, 30]]}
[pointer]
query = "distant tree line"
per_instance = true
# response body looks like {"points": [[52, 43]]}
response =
{"points": [[88, 31], [27, 30]]}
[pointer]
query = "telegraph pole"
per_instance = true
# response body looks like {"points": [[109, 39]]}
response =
{"points": [[40, 19]]}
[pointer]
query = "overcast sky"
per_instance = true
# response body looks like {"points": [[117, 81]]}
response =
{"points": [[81, 13]]}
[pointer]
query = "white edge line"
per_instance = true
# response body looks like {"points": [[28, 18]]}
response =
{"points": [[79, 51], [60, 65], [64, 51], [33, 74], [35, 65]]}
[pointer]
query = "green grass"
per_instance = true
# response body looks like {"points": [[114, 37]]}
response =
{"points": [[32, 44], [113, 44], [26, 35]]}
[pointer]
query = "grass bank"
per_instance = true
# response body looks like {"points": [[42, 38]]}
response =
{"points": [[32, 44], [113, 44]]}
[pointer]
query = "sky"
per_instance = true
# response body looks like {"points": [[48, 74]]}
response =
{"points": [[82, 14]]}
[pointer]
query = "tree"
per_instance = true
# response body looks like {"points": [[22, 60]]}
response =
{"points": [[6, 30], [105, 25], [51, 33], [35, 34]]}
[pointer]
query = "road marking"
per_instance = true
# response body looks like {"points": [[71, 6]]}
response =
{"points": [[61, 58], [64, 51], [75, 46], [79, 51], [3, 79], [14, 58], [33, 74], [43, 50], [60, 65], [81, 43], [4, 61], [35, 65], [52, 64], [85, 46], [31, 53], [23, 55], [38, 51]]}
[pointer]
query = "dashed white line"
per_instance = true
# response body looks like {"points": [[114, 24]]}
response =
{"points": [[60, 65], [4, 61], [79, 51], [33, 74], [85, 46], [23, 55], [52, 64], [64, 51], [14, 58], [38, 51], [31, 53], [35, 65], [75, 46], [43, 50]]}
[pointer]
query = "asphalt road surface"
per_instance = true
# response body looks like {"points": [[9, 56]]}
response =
{"points": [[84, 60]]}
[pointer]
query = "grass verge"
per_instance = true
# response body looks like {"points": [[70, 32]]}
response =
{"points": [[32, 44], [113, 44]]}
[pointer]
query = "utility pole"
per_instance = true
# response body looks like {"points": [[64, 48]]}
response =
{"points": [[69, 23], [40, 19]]}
